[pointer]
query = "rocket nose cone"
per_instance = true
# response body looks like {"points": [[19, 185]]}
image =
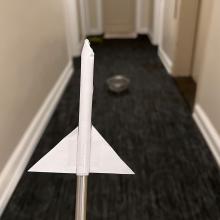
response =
{"points": [[87, 50], [86, 42]]}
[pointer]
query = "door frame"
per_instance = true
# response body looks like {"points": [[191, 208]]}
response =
{"points": [[158, 16], [82, 5], [138, 13], [99, 29], [72, 28]]}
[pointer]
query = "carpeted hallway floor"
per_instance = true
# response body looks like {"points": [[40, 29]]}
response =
{"points": [[150, 127]]}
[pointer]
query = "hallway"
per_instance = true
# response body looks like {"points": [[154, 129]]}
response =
{"points": [[151, 129]]}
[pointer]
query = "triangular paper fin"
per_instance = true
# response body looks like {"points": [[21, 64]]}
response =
{"points": [[62, 158], [104, 159]]}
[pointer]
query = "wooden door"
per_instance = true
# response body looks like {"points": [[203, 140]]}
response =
{"points": [[119, 17]]}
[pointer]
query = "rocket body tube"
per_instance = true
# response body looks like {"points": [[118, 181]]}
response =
{"points": [[85, 111], [84, 150]]}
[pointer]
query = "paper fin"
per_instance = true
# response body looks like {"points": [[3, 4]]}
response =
{"points": [[62, 158], [104, 159]]}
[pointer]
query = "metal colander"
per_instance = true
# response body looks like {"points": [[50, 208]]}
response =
{"points": [[118, 83]]}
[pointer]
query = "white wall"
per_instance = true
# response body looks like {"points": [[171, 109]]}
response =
{"points": [[177, 42], [207, 108], [33, 54], [202, 37], [208, 97], [185, 37]]}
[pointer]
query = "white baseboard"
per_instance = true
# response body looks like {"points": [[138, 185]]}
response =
{"points": [[165, 60], [208, 130], [120, 36], [18, 161]]}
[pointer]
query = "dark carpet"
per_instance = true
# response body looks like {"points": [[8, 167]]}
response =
{"points": [[152, 130]]}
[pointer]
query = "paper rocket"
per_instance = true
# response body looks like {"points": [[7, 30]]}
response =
{"points": [[84, 150]]}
